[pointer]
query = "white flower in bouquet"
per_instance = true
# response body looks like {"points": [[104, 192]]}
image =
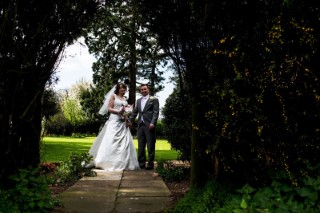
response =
{"points": [[126, 110]]}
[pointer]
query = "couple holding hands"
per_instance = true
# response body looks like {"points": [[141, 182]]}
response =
{"points": [[113, 149]]}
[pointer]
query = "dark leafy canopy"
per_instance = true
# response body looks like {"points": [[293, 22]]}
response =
{"points": [[267, 108], [125, 50], [33, 35], [252, 66]]}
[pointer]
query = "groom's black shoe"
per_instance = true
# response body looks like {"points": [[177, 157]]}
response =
{"points": [[142, 166], [149, 168]]}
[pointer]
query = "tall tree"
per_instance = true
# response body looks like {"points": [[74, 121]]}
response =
{"points": [[180, 27], [124, 48], [33, 35]]}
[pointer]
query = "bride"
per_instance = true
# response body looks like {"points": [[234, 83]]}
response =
{"points": [[113, 149]]}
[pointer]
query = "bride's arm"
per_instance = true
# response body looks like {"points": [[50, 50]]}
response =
{"points": [[111, 105]]}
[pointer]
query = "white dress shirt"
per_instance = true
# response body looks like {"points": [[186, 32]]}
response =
{"points": [[144, 101]]}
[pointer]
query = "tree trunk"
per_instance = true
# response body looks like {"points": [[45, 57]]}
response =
{"points": [[21, 126], [198, 173], [133, 66]]}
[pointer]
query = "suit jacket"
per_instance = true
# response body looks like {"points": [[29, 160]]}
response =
{"points": [[150, 112]]}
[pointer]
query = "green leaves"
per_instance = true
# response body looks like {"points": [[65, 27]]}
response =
{"points": [[278, 197], [243, 204], [30, 193]]}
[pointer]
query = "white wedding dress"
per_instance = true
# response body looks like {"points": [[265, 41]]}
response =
{"points": [[113, 149]]}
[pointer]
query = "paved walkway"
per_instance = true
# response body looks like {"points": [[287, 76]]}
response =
{"points": [[118, 192]]}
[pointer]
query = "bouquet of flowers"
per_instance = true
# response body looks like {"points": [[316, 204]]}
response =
{"points": [[126, 111]]}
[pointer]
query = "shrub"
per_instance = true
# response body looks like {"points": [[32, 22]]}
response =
{"points": [[57, 125], [170, 173], [211, 197], [280, 196], [29, 193], [160, 130], [177, 123], [73, 169]]}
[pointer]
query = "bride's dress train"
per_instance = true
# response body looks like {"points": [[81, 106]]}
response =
{"points": [[113, 149]]}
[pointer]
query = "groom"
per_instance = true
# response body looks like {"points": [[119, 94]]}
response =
{"points": [[148, 109]]}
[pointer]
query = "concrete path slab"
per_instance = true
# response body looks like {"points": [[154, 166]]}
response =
{"points": [[118, 192], [141, 204]]}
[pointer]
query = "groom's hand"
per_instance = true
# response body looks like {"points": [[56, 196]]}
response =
{"points": [[151, 126]]}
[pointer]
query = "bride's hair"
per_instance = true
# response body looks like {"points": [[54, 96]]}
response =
{"points": [[118, 87]]}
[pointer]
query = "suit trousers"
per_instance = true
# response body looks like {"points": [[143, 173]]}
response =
{"points": [[147, 138]]}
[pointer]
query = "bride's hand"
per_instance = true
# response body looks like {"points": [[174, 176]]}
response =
{"points": [[121, 111], [128, 123]]}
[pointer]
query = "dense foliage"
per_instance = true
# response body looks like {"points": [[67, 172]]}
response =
{"points": [[33, 36], [279, 196], [251, 74], [177, 119], [28, 191], [70, 118]]}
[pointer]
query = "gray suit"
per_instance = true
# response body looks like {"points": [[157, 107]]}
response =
{"points": [[146, 137]]}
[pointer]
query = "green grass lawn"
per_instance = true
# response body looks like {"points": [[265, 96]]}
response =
{"points": [[56, 149]]}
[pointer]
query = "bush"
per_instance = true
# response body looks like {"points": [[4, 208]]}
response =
{"points": [[280, 196], [160, 130], [177, 123], [211, 197], [29, 193], [73, 169], [57, 125], [169, 172]]}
